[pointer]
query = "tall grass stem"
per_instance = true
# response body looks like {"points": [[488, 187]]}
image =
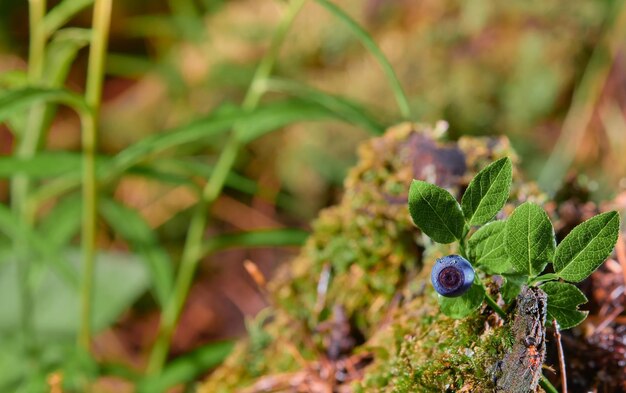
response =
{"points": [[93, 94], [20, 184], [370, 45], [192, 251]]}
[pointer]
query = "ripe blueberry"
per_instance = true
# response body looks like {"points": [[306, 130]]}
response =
{"points": [[452, 275]]}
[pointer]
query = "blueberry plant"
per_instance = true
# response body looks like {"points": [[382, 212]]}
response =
{"points": [[522, 248]]}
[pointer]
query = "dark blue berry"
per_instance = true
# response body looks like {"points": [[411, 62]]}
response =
{"points": [[452, 275]]}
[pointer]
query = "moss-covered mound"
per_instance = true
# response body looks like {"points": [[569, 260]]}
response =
{"points": [[355, 311]]}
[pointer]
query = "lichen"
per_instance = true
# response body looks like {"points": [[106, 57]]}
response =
{"points": [[378, 266]]}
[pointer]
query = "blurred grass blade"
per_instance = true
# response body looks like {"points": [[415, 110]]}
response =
{"points": [[369, 43], [586, 99], [188, 367], [46, 250], [340, 106], [41, 166], [61, 53], [258, 238], [133, 228], [63, 222], [13, 79], [282, 113], [256, 123], [62, 13], [128, 66], [15, 100], [181, 172], [44, 165], [202, 132]]}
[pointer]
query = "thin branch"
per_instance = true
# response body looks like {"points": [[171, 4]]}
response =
{"points": [[559, 347]]}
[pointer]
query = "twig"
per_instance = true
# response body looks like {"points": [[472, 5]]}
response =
{"points": [[559, 347]]}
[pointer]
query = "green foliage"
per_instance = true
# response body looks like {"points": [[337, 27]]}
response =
{"points": [[518, 248], [435, 212], [40, 272], [529, 239], [187, 367], [12, 101], [133, 228], [119, 280], [585, 248], [563, 302], [488, 249], [487, 192]]}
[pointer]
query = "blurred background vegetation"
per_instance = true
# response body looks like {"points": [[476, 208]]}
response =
{"points": [[178, 75]]}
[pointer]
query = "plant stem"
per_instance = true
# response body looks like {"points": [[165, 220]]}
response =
{"points": [[494, 306], [543, 278], [192, 251], [559, 347], [93, 93], [20, 184], [547, 386]]}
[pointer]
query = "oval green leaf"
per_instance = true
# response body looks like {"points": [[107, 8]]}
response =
{"points": [[462, 306], [585, 248], [487, 248], [487, 192], [529, 239], [563, 302], [435, 212]]}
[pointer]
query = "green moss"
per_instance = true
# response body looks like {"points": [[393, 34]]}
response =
{"points": [[379, 267]]}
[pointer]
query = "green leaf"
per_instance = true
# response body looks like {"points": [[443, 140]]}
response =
{"points": [[187, 367], [45, 249], [42, 165], [512, 287], [563, 302], [487, 192], [585, 248], [61, 53], [62, 223], [435, 212], [488, 250], [462, 306], [15, 100], [133, 228], [201, 132], [264, 119], [62, 13], [260, 238], [529, 239], [120, 279], [342, 107], [369, 43]]}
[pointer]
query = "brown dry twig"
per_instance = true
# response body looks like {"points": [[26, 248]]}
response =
{"points": [[559, 347]]}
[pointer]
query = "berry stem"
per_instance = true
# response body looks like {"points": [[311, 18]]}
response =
{"points": [[492, 303]]}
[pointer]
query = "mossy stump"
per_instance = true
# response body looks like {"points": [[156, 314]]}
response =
{"points": [[355, 311]]}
